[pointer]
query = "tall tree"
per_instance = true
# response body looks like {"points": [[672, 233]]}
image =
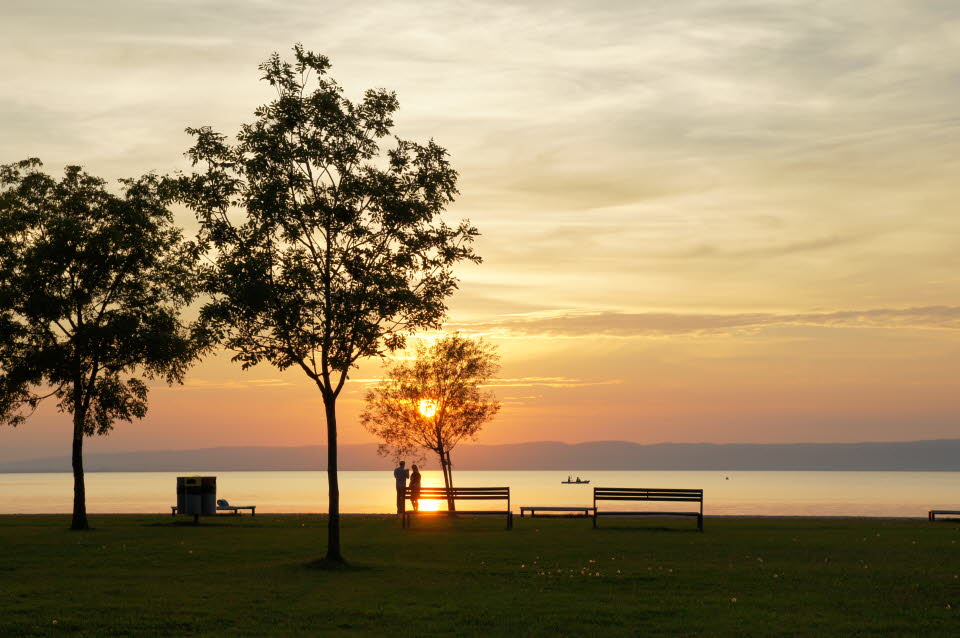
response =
{"points": [[434, 401], [91, 289], [325, 248]]}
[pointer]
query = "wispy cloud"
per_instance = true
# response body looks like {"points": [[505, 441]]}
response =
{"points": [[201, 384], [643, 324], [548, 382]]}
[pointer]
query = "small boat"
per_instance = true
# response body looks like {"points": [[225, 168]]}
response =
{"points": [[577, 482]]}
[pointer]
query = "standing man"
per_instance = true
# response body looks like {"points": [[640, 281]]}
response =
{"points": [[401, 474]]}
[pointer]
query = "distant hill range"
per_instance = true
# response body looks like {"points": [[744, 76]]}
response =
{"points": [[939, 455]]}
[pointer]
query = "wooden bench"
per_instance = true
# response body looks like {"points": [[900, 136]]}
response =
{"points": [[533, 509], [464, 494], [647, 494], [932, 514], [224, 506]]}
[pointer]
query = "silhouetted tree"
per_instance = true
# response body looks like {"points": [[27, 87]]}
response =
{"points": [[91, 289], [434, 401], [326, 249]]}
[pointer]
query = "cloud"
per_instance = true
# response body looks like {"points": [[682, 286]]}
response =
{"points": [[200, 384], [609, 153], [519, 382], [547, 382], [616, 324]]}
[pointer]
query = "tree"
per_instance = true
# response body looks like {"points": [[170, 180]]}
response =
{"points": [[91, 289], [434, 401], [325, 249]]}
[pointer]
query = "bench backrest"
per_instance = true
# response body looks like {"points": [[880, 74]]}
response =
{"points": [[646, 494], [464, 493]]}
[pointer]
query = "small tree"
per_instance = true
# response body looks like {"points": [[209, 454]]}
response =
{"points": [[326, 249], [434, 401], [91, 289]]}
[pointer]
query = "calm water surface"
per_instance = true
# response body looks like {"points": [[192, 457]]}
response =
{"points": [[748, 493]]}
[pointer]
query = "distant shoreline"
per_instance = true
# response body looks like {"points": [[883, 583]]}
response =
{"points": [[940, 455], [386, 469]]}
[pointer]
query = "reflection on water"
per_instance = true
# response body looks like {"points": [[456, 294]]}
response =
{"points": [[756, 493]]}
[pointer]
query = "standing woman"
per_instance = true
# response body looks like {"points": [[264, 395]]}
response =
{"points": [[415, 488]]}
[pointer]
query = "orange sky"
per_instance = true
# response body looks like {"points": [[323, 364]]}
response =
{"points": [[703, 221]]}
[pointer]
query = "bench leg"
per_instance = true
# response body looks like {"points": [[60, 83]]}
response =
{"points": [[253, 511], [700, 522], [509, 520], [594, 518]]}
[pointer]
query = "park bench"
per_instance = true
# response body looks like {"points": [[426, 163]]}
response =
{"points": [[224, 506], [647, 494], [932, 514], [464, 494], [533, 509]]}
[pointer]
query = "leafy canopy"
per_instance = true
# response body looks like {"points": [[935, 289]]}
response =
{"points": [[91, 289], [325, 247], [434, 401]]}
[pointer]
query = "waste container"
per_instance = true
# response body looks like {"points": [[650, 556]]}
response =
{"points": [[197, 495], [208, 495], [181, 494]]}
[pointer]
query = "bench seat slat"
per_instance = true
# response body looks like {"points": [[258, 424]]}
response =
{"points": [[611, 492], [648, 493], [439, 497], [648, 497], [497, 512], [652, 498], [464, 494], [602, 513], [467, 489]]}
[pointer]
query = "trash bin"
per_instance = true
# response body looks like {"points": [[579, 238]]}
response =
{"points": [[197, 495], [181, 494], [208, 495]]}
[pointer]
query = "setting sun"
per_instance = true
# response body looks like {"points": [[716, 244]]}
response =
{"points": [[428, 407]]}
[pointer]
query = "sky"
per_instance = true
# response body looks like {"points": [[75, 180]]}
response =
{"points": [[702, 221]]}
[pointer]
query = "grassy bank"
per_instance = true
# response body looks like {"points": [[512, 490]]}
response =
{"points": [[141, 575]]}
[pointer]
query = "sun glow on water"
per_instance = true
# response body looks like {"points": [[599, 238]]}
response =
{"points": [[429, 506]]}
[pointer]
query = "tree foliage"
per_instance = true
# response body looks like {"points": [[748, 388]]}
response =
{"points": [[91, 289], [326, 248], [434, 401]]}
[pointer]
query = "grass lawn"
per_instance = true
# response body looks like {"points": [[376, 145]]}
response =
{"points": [[151, 575]]}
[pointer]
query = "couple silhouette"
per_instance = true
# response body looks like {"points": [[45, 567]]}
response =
{"points": [[400, 475]]}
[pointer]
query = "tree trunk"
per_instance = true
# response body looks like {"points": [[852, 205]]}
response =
{"points": [[333, 524], [448, 479], [79, 490]]}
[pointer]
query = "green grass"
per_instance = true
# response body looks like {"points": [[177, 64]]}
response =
{"points": [[143, 576]]}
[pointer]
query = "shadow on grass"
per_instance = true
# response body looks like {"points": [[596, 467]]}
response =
{"points": [[324, 565], [201, 524], [647, 529]]}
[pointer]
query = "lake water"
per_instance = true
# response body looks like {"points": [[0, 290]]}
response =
{"points": [[725, 493]]}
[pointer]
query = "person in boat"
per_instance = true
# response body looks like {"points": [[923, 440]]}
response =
{"points": [[569, 479], [415, 488], [578, 480]]}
